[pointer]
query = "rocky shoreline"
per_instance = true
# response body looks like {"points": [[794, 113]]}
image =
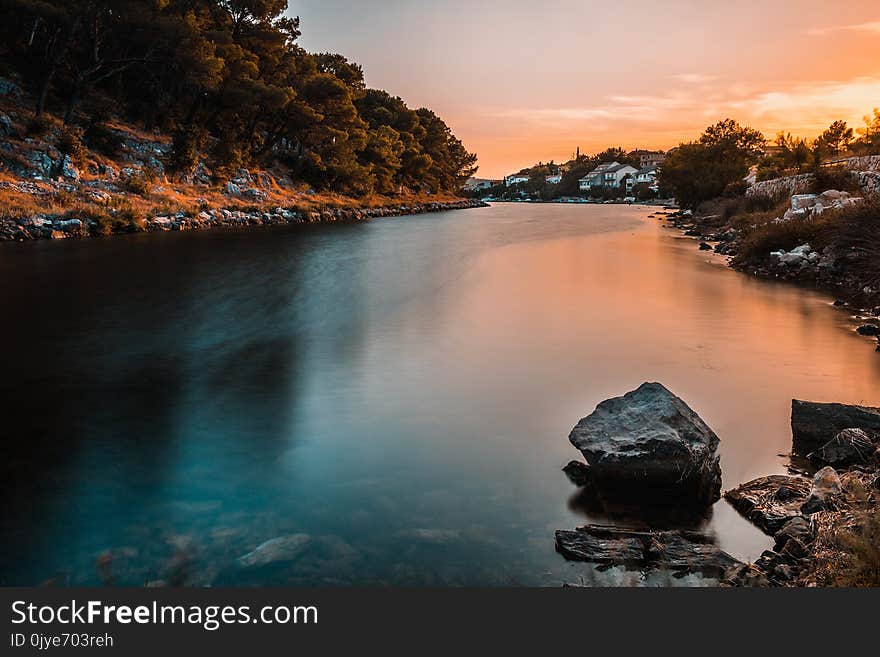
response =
{"points": [[828, 269], [65, 226], [823, 517]]}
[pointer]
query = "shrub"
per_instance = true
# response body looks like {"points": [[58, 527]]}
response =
{"points": [[856, 233], [102, 139], [838, 178], [70, 143], [39, 126], [136, 184], [765, 234]]}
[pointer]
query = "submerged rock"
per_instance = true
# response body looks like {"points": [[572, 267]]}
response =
{"points": [[770, 502], [650, 442], [849, 447], [680, 551], [814, 424], [283, 548]]}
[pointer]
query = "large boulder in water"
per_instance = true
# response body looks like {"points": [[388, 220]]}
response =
{"points": [[814, 424], [649, 443]]}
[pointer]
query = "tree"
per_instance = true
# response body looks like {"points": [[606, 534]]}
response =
{"points": [[227, 79], [837, 138], [869, 135], [718, 161]]}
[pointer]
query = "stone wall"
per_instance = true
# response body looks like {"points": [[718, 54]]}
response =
{"points": [[781, 187], [866, 169]]}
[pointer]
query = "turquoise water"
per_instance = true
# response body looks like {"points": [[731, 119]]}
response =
{"points": [[401, 391]]}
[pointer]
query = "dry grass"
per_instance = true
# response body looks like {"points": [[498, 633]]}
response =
{"points": [[847, 547]]}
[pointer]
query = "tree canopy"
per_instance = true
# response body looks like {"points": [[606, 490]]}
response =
{"points": [[718, 161], [229, 81]]}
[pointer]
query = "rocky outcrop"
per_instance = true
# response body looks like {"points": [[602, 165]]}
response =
{"points": [[770, 502], [679, 551], [815, 424], [649, 443]]}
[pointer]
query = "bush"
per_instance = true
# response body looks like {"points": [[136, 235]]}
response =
{"points": [[102, 139], [838, 178], [136, 184], [765, 234], [39, 126], [70, 143], [856, 232]]}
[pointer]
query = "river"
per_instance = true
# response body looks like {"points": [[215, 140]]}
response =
{"points": [[400, 391]]}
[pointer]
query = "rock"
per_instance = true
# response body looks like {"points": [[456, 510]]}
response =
{"points": [[7, 129], [770, 502], [795, 549], [578, 473], [799, 528], [868, 329], [814, 424], [803, 201], [650, 442], [283, 548], [680, 551], [68, 169], [748, 575], [824, 493], [849, 447], [9, 88], [705, 247], [831, 195]]}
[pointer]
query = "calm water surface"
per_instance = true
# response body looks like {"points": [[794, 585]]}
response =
{"points": [[401, 391]]}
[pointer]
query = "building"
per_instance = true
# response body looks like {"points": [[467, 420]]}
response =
{"points": [[608, 175], [644, 176], [554, 179], [651, 158], [516, 179], [475, 184]]}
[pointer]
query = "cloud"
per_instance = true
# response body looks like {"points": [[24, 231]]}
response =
{"points": [[693, 78], [873, 26]]}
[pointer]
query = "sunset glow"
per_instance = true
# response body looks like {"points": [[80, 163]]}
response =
{"points": [[522, 81]]}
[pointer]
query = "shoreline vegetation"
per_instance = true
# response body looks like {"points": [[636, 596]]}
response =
{"points": [[138, 116]]}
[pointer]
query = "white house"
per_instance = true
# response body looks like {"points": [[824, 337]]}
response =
{"points": [[644, 176], [516, 179], [608, 175], [554, 179]]}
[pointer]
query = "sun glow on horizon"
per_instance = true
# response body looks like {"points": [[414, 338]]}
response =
{"points": [[519, 83]]}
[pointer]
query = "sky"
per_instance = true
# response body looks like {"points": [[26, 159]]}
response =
{"points": [[526, 81]]}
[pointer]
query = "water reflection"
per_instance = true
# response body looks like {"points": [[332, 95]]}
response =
{"points": [[400, 391]]}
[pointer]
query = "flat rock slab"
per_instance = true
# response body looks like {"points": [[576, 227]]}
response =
{"points": [[770, 502], [650, 444], [283, 548], [680, 551], [814, 424]]}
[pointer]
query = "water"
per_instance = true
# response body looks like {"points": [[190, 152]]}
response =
{"points": [[401, 391]]}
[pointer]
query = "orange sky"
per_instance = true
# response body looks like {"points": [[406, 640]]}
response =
{"points": [[522, 81]]}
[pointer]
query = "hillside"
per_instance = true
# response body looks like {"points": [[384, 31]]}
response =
{"points": [[114, 114]]}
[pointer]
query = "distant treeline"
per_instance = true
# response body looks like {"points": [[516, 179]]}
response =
{"points": [[227, 79]]}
